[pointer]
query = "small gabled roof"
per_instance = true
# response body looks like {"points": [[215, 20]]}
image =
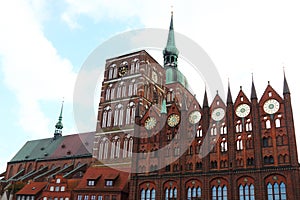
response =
{"points": [[241, 98], [32, 188], [268, 94], [121, 179]]}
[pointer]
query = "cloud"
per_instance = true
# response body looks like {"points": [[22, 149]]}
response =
{"points": [[32, 68]]}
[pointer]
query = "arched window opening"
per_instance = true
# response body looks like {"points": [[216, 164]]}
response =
{"points": [[223, 145], [277, 123], [268, 124], [106, 142], [246, 192], [124, 91], [110, 72], [276, 191], [130, 147], [107, 94], [239, 143]]}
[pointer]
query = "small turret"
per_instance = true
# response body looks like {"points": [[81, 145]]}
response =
{"points": [[59, 125], [286, 89], [229, 97], [171, 52], [253, 90]]}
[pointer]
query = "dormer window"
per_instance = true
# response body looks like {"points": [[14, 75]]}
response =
{"points": [[109, 183], [58, 180], [91, 182]]}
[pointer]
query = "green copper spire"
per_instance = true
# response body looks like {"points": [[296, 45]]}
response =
{"points": [[171, 52], [59, 126]]}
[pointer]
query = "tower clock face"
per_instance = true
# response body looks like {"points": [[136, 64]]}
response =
{"points": [[173, 120], [218, 114], [194, 117], [123, 70], [242, 110], [154, 77], [271, 106], [150, 123]]}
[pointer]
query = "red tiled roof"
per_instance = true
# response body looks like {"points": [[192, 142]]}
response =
{"points": [[112, 176], [121, 179], [32, 188], [72, 183], [78, 144]]}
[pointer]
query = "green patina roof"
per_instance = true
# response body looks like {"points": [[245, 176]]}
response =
{"points": [[50, 148], [171, 47], [37, 149]]}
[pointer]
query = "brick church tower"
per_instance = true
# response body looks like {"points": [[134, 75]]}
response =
{"points": [[150, 124]]}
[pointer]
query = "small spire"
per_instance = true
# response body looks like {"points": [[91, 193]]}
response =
{"points": [[163, 109], [229, 97], [59, 125], [286, 89], [205, 100], [253, 90], [171, 52]]}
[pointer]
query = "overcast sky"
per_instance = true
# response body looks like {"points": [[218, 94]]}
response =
{"points": [[43, 44]]}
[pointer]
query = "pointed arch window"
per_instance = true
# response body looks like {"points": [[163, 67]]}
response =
{"points": [[239, 143], [106, 117], [128, 115], [112, 93], [148, 194], [115, 147], [101, 149], [153, 194], [246, 192], [130, 147], [199, 132], [277, 123], [132, 66], [115, 72], [137, 66], [171, 193], [107, 94], [125, 146], [110, 72], [276, 191], [121, 113], [135, 89], [268, 124], [223, 145], [119, 90], [105, 153], [124, 90], [239, 127], [143, 194], [223, 129], [248, 125], [130, 87], [213, 130], [219, 193], [118, 115]]}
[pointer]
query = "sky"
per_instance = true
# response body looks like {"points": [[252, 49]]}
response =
{"points": [[44, 43]]}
